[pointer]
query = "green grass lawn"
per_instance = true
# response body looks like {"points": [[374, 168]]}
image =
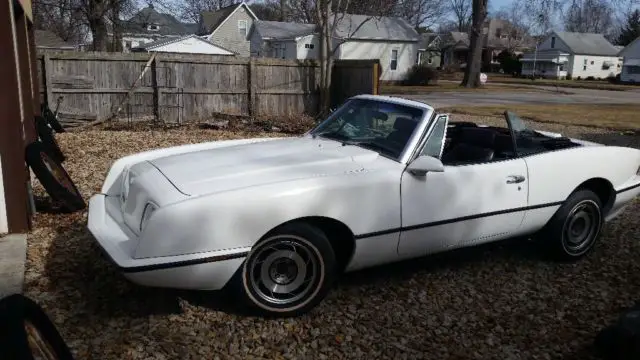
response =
{"points": [[619, 116]]}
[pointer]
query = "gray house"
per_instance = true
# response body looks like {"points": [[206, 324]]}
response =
{"points": [[228, 27], [429, 52]]}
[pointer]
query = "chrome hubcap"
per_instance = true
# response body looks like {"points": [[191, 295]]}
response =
{"points": [[581, 227], [284, 272]]}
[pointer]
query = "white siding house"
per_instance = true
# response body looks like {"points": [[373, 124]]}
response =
{"points": [[148, 26], [631, 65], [575, 55], [390, 40], [284, 40], [190, 44]]}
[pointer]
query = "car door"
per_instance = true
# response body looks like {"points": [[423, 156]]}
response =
{"points": [[462, 205]]}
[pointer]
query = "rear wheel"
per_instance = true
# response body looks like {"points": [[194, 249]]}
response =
{"points": [[290, 271], [575, 228]]}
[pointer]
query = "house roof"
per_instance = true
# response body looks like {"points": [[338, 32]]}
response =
{"points": [[587, 43], [47, 39], [631, 45], [168, 25], [282, 30], [364, 27], [163, 42], [211, 20], [426, 39]]}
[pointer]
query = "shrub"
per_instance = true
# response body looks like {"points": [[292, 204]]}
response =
{"points": [[421, 75], [590, 78], [568, 77]]}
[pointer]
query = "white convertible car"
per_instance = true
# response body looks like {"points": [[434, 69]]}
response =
{"points": [[380, 180]]}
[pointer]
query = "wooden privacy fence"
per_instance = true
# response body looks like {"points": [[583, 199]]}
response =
{"points": [[181, 87]]}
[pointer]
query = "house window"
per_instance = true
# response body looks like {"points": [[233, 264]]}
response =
{"points": [[592, 63], [127, 45], [394, 59], [153, 27], [430, 61], [308, 46], [561, 67], [553, 42], [242, 27], [633, 69]]}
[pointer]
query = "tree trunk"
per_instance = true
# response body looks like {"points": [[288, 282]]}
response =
{"points": [[326, 56], [474, 61], [99, 33]]}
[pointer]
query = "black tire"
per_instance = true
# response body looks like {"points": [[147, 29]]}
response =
{"points": [[52, 120], [575, 228], [295, 243], [48, 139], [17, 314], [53, 177]]}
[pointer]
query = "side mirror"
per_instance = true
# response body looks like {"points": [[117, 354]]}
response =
{"points": [[424, 164]]}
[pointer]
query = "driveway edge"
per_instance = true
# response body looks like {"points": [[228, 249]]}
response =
{"points": [[13, 255]]}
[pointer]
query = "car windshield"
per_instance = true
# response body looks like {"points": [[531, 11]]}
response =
{"points": [[376, 125]]}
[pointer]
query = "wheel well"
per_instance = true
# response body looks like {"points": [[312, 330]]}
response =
{"points": [[339, 235], [603, 189]]}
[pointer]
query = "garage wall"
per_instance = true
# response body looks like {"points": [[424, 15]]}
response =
{"points": [[4, 226]]}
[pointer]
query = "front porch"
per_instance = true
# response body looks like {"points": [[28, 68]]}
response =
{"points": [[550, 65]]}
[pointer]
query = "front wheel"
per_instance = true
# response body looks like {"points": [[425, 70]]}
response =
{"points": [[575, 228], [289, 272]]}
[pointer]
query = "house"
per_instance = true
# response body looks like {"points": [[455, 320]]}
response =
{"points": [[47, 40], [631, 63], [284, 40], [573, 55], [148, 25], [391, 40], [429, 52], [228, 27], [190, 44], [499, 35]]}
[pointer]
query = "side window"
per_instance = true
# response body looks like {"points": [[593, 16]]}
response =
{"points": [[394, 59], [242, 27], [435, 142]]}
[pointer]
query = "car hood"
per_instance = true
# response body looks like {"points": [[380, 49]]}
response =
{"points": [[214, 170]]}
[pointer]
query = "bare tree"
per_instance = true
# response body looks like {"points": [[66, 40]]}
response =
{"points": [[63, 18], [330, 15], [517, 25], [472, 72], [96, 15], [190, 10], [589, 16], [461, 11], [421, 13]]}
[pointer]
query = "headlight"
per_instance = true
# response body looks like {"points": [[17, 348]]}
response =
{"points": [[146, 214], [127, 180]]}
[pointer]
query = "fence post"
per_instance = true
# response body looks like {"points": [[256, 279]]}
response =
{"points": [[156, 88], [251, 86], [48, 81], [376, 77]]}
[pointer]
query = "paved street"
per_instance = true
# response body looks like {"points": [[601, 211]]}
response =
{"points": [[577, 96]]}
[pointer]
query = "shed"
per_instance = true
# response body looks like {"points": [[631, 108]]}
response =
{"points": [[190, 44]]}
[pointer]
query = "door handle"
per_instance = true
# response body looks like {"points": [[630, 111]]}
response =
{"points": [[515, 179]]}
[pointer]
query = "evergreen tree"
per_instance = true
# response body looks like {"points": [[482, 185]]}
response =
{"points": [[631, 30]]}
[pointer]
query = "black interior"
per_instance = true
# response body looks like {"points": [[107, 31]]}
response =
{"points": [[403, 127], [467, 143]]}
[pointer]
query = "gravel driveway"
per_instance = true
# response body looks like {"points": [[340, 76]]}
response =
{"points": [[498, 301]]}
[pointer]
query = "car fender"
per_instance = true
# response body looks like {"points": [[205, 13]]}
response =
{"points": [[365, 201]]}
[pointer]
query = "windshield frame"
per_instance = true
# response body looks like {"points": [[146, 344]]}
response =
{"points": [[412, 143]]}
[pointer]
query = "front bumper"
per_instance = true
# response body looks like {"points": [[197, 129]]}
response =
{"points": [[201, 271]]}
